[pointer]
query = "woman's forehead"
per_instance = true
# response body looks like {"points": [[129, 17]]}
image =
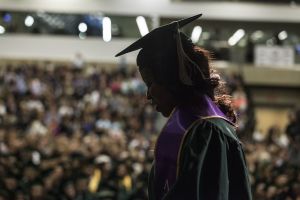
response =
{"points": [[147, 75]]}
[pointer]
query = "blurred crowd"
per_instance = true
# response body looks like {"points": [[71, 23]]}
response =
{"points": [[73, 132], [274, 162]]}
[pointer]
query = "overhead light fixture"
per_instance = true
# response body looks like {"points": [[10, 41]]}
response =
{"points": [[236, 37], [82, 27], [106, 23], [82, 35], [257, 35], [2, 29], [142, 25], [196, 34], [282, 35], [29, 21]]}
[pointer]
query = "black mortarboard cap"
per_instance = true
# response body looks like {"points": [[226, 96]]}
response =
{"points": [[156, 36], [162, 40]]}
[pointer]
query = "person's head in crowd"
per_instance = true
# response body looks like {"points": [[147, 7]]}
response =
{"points": [[296, 188], [26, 154], [81, 183], [10, 182], [281, 180], [104, 162], [293, 128], [76, 159], [122, 170], [21, 195], [58, 172], [48, 183], [4, 195], [31, 172], [37, 191], [89, 165], [271, 192], [260, 191], [2, 134], [69, 190]]}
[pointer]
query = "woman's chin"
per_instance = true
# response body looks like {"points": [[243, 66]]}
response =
{"points": [[165, 113], [159, 110]]}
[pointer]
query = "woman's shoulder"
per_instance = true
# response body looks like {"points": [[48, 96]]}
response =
{"points": [[213, 126]]}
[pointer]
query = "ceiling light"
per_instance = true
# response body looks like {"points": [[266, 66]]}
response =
{"points": [[29, 21], [236, 37], [106, 23], [196, 34], [82, 27], [142, 25], [282, 35], [2, 29]]}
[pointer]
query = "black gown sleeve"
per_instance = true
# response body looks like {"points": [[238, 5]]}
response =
{"points": [[212, 165]]}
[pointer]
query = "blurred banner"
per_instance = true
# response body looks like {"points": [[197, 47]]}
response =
{"points": [[274, 56]]}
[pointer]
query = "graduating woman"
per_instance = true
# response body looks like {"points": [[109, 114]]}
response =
{"points": [[197, 155]]}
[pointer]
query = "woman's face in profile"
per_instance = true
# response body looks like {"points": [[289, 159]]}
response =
{"points": [[160, 97]]}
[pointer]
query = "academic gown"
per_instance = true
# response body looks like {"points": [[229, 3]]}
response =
{"points": [[210, 162]]}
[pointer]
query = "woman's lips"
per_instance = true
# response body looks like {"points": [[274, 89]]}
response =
{"points": [[155, 106]]}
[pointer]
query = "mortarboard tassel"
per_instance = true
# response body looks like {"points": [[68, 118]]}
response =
{"points": [[186, 66]]}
